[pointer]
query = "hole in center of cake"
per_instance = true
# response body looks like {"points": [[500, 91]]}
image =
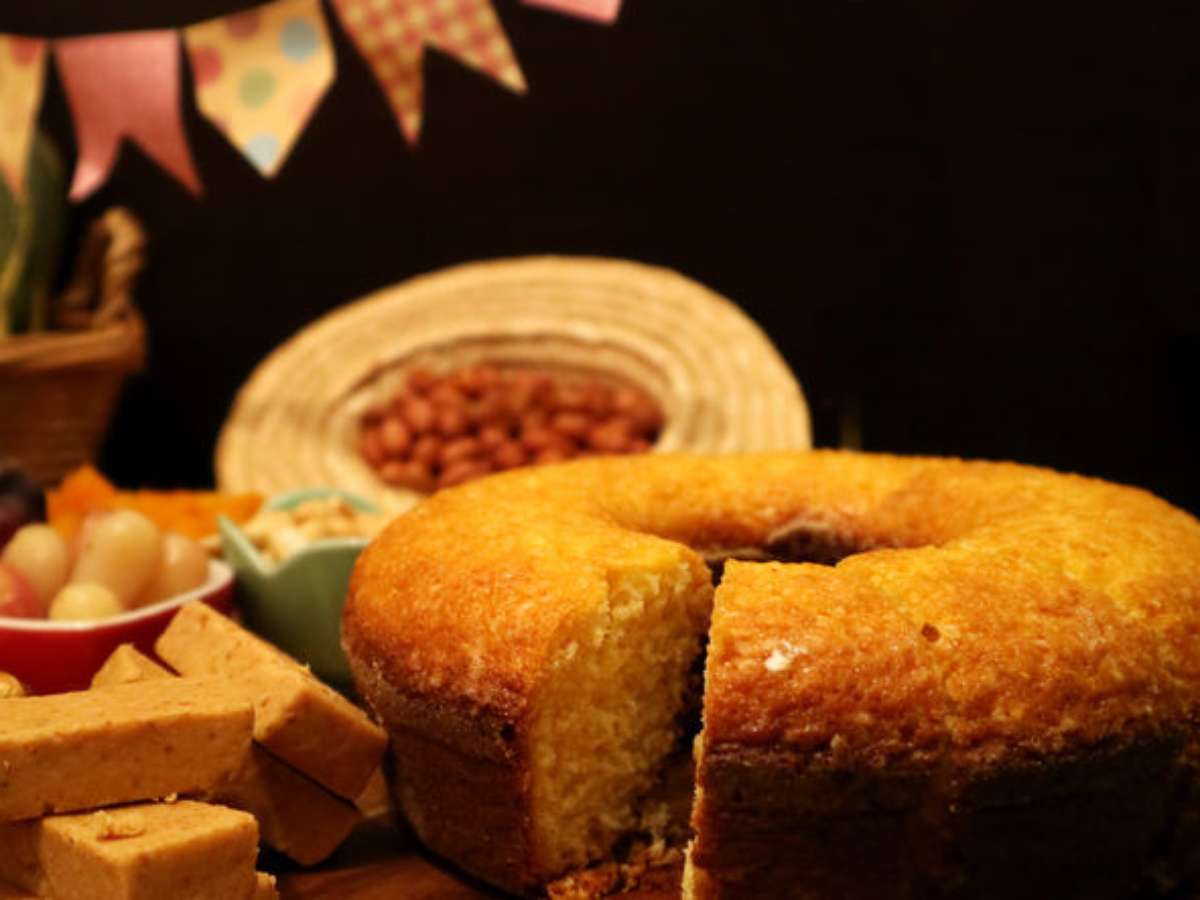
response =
{"points": [[798, 542]]}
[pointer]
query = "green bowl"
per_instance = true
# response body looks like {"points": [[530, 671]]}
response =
{"points": [[297, 605]]}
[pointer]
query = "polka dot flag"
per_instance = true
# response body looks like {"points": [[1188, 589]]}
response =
{"points": [[392, 36], [22, 69], [260, 74]]}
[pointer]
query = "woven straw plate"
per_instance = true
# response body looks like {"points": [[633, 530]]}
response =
{"points": [[723, 387]]}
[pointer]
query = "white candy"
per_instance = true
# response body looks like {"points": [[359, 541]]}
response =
{"points": [[41, 555], [121, 552], [182, 567], [85, 601]]}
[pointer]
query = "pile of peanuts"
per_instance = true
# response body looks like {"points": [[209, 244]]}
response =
{"points": [[442, 430]]}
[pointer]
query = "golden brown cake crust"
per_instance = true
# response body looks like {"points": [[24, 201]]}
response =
{"points": [[1003, 617]]}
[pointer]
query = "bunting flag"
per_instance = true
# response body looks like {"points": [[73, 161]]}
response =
{"points": [[392, 36], [605, 11], [260, 74], [124, 86], [22, 70]]}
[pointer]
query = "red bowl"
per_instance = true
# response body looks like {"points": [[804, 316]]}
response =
{"points": [[51, 657]]}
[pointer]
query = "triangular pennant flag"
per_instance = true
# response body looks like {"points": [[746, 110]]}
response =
{"points": [[124, 85], [605, 11], [22, 71], [392, 36], [260, 74]]}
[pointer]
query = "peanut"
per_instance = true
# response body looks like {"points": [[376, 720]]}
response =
{"points": [[491, 408], [540, 437], [535, 419], [474, 381], [519, 399], [553, 455], [459, 448], [639, 408], [370, 445], [490, 377], [463, 470], [391, 471], [572, 398], [492, 436], [411, 474], [446, 395], [419, 413], [510, 455], [571, 424], [612, 436], [452, 421], [599, 400], [427, 449], [421, 380], [395, 436]]}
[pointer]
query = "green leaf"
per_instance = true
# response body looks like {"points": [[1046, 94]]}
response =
{"points": [[14, 242], [41, 225], [47, 190]]}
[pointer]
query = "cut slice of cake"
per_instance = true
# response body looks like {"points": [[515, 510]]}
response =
{"points": [[818, 752]]}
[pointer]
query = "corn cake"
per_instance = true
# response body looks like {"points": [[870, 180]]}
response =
{"points": [[958, 679]]}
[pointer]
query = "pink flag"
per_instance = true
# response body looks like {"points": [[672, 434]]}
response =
{"points": [[392, 36], [605, 11], [125, 85]]}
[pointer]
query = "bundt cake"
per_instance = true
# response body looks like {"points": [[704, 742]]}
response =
{"points": [[963, 679]]}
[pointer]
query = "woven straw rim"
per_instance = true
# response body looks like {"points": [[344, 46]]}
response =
{"points": [[102, 327], [722, 384], [120, 345]]}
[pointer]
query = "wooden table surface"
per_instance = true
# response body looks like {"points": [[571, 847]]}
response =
{"points": [[382, 860], [378, 861]]}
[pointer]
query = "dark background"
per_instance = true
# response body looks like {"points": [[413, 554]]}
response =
{"points": [[968, 223]]}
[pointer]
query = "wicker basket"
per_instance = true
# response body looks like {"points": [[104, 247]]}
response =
{"points": [[58, 389]]}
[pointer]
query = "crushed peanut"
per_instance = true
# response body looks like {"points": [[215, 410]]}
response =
{"points": [[279, 533], [10, 686], [109, 828]]}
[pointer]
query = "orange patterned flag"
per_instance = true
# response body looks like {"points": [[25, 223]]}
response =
{"points": [[22, 69], [259, 75], [392, 36], [124, 86]]}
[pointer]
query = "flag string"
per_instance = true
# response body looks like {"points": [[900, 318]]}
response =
{"points": [[258, 75]]}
